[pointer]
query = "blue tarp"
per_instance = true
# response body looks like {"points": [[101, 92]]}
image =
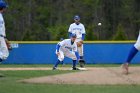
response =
{"points": [[104, 53]]}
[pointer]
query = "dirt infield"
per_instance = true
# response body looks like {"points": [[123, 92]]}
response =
{"points": [[93, 76]]}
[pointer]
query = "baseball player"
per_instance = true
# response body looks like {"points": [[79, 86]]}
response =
{"points": [[67, 48], [79, 29], [4, 53], [131, 55]]}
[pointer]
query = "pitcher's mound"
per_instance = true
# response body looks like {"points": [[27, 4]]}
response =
{"points": [[96, 76]]}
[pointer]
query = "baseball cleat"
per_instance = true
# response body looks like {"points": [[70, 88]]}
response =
{"points": [[74, 68], [81, 63], [54, 68], [125, 68]]}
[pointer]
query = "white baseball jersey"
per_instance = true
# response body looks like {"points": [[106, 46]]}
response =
{"points": [[4, 53], [77, 29], [66, 45], [67, 49], [137, 44], [2, 26]]}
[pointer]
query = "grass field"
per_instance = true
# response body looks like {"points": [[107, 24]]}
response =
{"points": [[10, 84]]}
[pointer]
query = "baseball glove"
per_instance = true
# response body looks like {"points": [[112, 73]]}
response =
{"points": [[8, 44], [79, 43], [82, 62]]}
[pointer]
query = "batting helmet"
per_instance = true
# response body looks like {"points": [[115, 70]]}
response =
{"points": [[3, 4], [76, 17], [73, 35]]}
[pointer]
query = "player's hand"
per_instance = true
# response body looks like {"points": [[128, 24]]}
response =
{"points": [[57, 53], [8, 44], [80, 43]]}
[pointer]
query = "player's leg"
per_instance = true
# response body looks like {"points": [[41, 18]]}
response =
{"points": [[82, 62], [60, 59], [131, 55], [80, 50], [4, 53], [71, 55], [1, 55]]}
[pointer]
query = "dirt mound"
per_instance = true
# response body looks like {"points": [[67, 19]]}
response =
{"points": [[96, 76]]}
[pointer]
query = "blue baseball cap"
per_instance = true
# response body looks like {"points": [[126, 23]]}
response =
{"points": [[76, 17], [73, 35], [61, 39], [3, 4]]}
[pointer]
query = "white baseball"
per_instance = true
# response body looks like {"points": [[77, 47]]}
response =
{"points": [[99, 24]]}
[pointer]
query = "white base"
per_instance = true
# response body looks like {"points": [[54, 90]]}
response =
{"points": [[82, 68]]}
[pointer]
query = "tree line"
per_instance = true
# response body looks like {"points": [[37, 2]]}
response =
{"points": [[46, 20]]}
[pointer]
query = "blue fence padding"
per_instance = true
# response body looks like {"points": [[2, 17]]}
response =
{"points": [[103, 53]]}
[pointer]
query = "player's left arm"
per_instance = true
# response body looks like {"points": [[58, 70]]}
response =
{"points": [[83, 37], [83, 34]]}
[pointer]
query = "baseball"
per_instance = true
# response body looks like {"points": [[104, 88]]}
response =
{"points": [[99, 24]]}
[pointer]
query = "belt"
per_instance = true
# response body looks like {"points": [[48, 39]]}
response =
{"points": [[2, 36]]}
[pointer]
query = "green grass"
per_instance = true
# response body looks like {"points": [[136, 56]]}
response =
{"points": [[60, 65], [9, 84]]}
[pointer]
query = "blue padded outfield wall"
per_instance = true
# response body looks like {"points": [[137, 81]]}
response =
{"points": [[94, 52]]}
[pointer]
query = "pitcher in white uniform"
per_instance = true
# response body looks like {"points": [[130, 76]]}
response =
{"points": [[79, 29], [4, 53], [134, 50], [67, 48]]}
